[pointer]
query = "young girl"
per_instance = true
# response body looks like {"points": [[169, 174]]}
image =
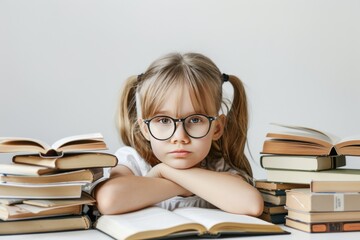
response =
{"points": [[184, 145]]}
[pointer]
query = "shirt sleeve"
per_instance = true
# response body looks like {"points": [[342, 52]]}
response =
{"points": [[128, 157]]}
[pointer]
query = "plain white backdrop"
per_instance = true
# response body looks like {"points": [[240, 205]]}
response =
{"points": [[63, 62]]}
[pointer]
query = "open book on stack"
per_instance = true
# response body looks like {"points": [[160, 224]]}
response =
{"points": [[299, 140], [297, 154]]}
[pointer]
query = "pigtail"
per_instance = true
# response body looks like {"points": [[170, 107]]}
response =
{"points": [[235, 132], [129, 128], [127, 115]]}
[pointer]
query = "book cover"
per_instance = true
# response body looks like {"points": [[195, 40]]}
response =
{"points": [[271, 185], [83, 176], [323, 227], [42, 225], [274, 199], [315, 217], [305, 163], [272, 209], [69, 161], [335, 186], [305, 177], [40, 191], [24, 169], [304, 200], [273, 218]]}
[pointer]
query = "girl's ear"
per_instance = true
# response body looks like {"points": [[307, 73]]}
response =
{"points": [[219, 127], [144, 129]]}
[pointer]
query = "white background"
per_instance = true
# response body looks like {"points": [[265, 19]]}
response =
{"points": [[62, 62]]}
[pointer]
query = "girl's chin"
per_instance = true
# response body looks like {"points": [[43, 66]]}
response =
{"points": [[181, 165]]}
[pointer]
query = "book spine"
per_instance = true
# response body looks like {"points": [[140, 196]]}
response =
{"points": [[335, 227]]}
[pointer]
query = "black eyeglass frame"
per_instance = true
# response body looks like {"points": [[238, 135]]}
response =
{"points": [[176, 120]]}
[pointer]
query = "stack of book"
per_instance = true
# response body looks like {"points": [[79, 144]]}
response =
{"points": [[274, 196], [45, 192], [327, 206], [304, 154]]}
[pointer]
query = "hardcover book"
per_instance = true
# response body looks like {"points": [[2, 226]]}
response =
{"points": [[303, 199], [83, 175], [42, 225], [335, 186], [40, 191], [305, 177], [272, 185], [24, 169], [316, 217], [305, 163], [69, 161], [323, 227]]}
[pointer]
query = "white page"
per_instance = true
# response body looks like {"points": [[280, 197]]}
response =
{"points": [[210, 217], [148, 219]]}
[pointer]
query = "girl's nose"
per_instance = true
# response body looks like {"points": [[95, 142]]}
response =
{"points": [[180, 135]]}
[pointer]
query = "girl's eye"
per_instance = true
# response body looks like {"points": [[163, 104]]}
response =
{"points": [[164, 120], [195, 120]]}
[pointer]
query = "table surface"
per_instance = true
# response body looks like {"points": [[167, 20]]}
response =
{"points": [[94, 234]]}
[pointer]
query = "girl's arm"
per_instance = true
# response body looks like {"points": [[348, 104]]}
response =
{"points": [[125, 192], [228, 192]]}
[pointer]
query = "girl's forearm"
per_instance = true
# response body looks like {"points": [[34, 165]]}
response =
{"points": [[128, 193], [228, 192]]}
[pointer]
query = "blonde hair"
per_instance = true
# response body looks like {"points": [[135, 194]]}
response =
{"points": [[204, 80]]}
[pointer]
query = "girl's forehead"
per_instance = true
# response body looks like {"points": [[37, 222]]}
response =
{"points": [[180, 100]]}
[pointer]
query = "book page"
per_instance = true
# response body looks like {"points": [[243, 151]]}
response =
{"points": [[67, 140], [21, 144], [310, 132], [151, 221], [211, 217]]}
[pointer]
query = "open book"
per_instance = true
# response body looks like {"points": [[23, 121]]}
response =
{"points": [[155, 222], [308, 141], [93, 141]]}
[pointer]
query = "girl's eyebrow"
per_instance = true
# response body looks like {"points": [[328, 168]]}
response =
{"points": [[168, 113]]}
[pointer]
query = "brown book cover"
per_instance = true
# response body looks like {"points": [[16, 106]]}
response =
{"points": [[274, 199], [83, 175], [305, 177], [271, 185], [303, 199], [335, 186], [42, 225], [315, 217], [41, 191], [24, 211], [69, 161], [24, 169], [323, 227], [274, 209], [305, 163]]}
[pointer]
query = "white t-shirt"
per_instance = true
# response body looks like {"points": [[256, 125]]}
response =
{"points": [[128, 157]]}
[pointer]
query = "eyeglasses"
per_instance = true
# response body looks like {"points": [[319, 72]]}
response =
{"points": [[163, 127]]}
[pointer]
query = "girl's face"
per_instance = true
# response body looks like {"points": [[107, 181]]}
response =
{"points": [[181, 151]]}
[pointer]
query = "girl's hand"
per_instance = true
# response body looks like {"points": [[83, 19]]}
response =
{"points": [[158, 170], [155, 171]]}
